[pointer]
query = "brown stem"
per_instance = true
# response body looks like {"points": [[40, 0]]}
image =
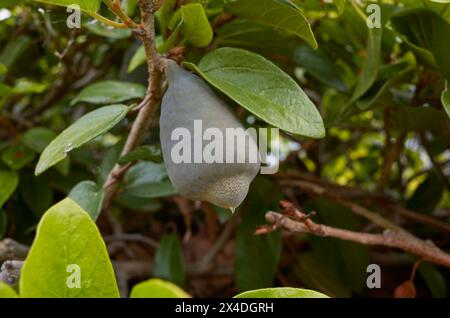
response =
{"points": [[150, 103], [404, 241]]}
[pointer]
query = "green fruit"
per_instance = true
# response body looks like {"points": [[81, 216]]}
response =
{"points": [[221, 182]]}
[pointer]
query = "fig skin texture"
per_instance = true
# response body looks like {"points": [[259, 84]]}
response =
{"points": [[189, 98]]}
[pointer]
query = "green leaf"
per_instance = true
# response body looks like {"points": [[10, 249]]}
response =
{"points": [[157, 288], [85, 5], [109, 92], [346, 260], [89, 196], [320, 67], [165, 12], [445, 99], [281, 292], [38, 138], [426, 29], [428, 194], [340, 5], [434, 280], [132, 202], [197, 29], [257, 256], [3, 224], [27, 86], [8, 184], [139, 57], [7, 291], [67, 240], [317, 275], [82, 131], [148, 180], [278, 14], [169, 262], [262, 88], [108, 31], [17, 156], [371, 64], [12, 51], [421, 119], [254, 37], [137, 60], [147, 153], [36, 193], [383, 94]]}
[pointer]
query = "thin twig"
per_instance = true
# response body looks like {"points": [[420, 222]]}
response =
{"points": [[132, 238], [404, 241], [150, 103]]}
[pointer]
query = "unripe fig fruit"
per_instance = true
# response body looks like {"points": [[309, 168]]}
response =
{"points": [[218, 181]]}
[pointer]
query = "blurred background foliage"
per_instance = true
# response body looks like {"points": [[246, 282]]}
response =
{"points": [[387, 144]]}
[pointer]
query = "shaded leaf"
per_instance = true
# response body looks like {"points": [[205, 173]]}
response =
{"points": [[320, 67], [445, 99], [147, 153], [17, 156], [109, 92], [89, 196], [148, 180], [371, 65], [317, 275], [8, 184], [257, 256], [169, 262], [426, 29], [36, 193], [3, 224], [197, 29], [434, 280], [282, 15]]}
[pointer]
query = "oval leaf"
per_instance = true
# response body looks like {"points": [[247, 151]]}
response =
{"points": [[169, 262], [157, 288], [197, 29], [8, 184], [279, 14], [262, 88], [148, 180], [445, 99], [109, 92], [67, 244], [282, 292], [85, 5], [7, 291], [89, 196], [82, 131]]}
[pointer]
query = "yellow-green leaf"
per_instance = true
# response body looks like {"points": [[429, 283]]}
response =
{"points": [[282, 292], [7, 291], [68, 257], [157, 288]]}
